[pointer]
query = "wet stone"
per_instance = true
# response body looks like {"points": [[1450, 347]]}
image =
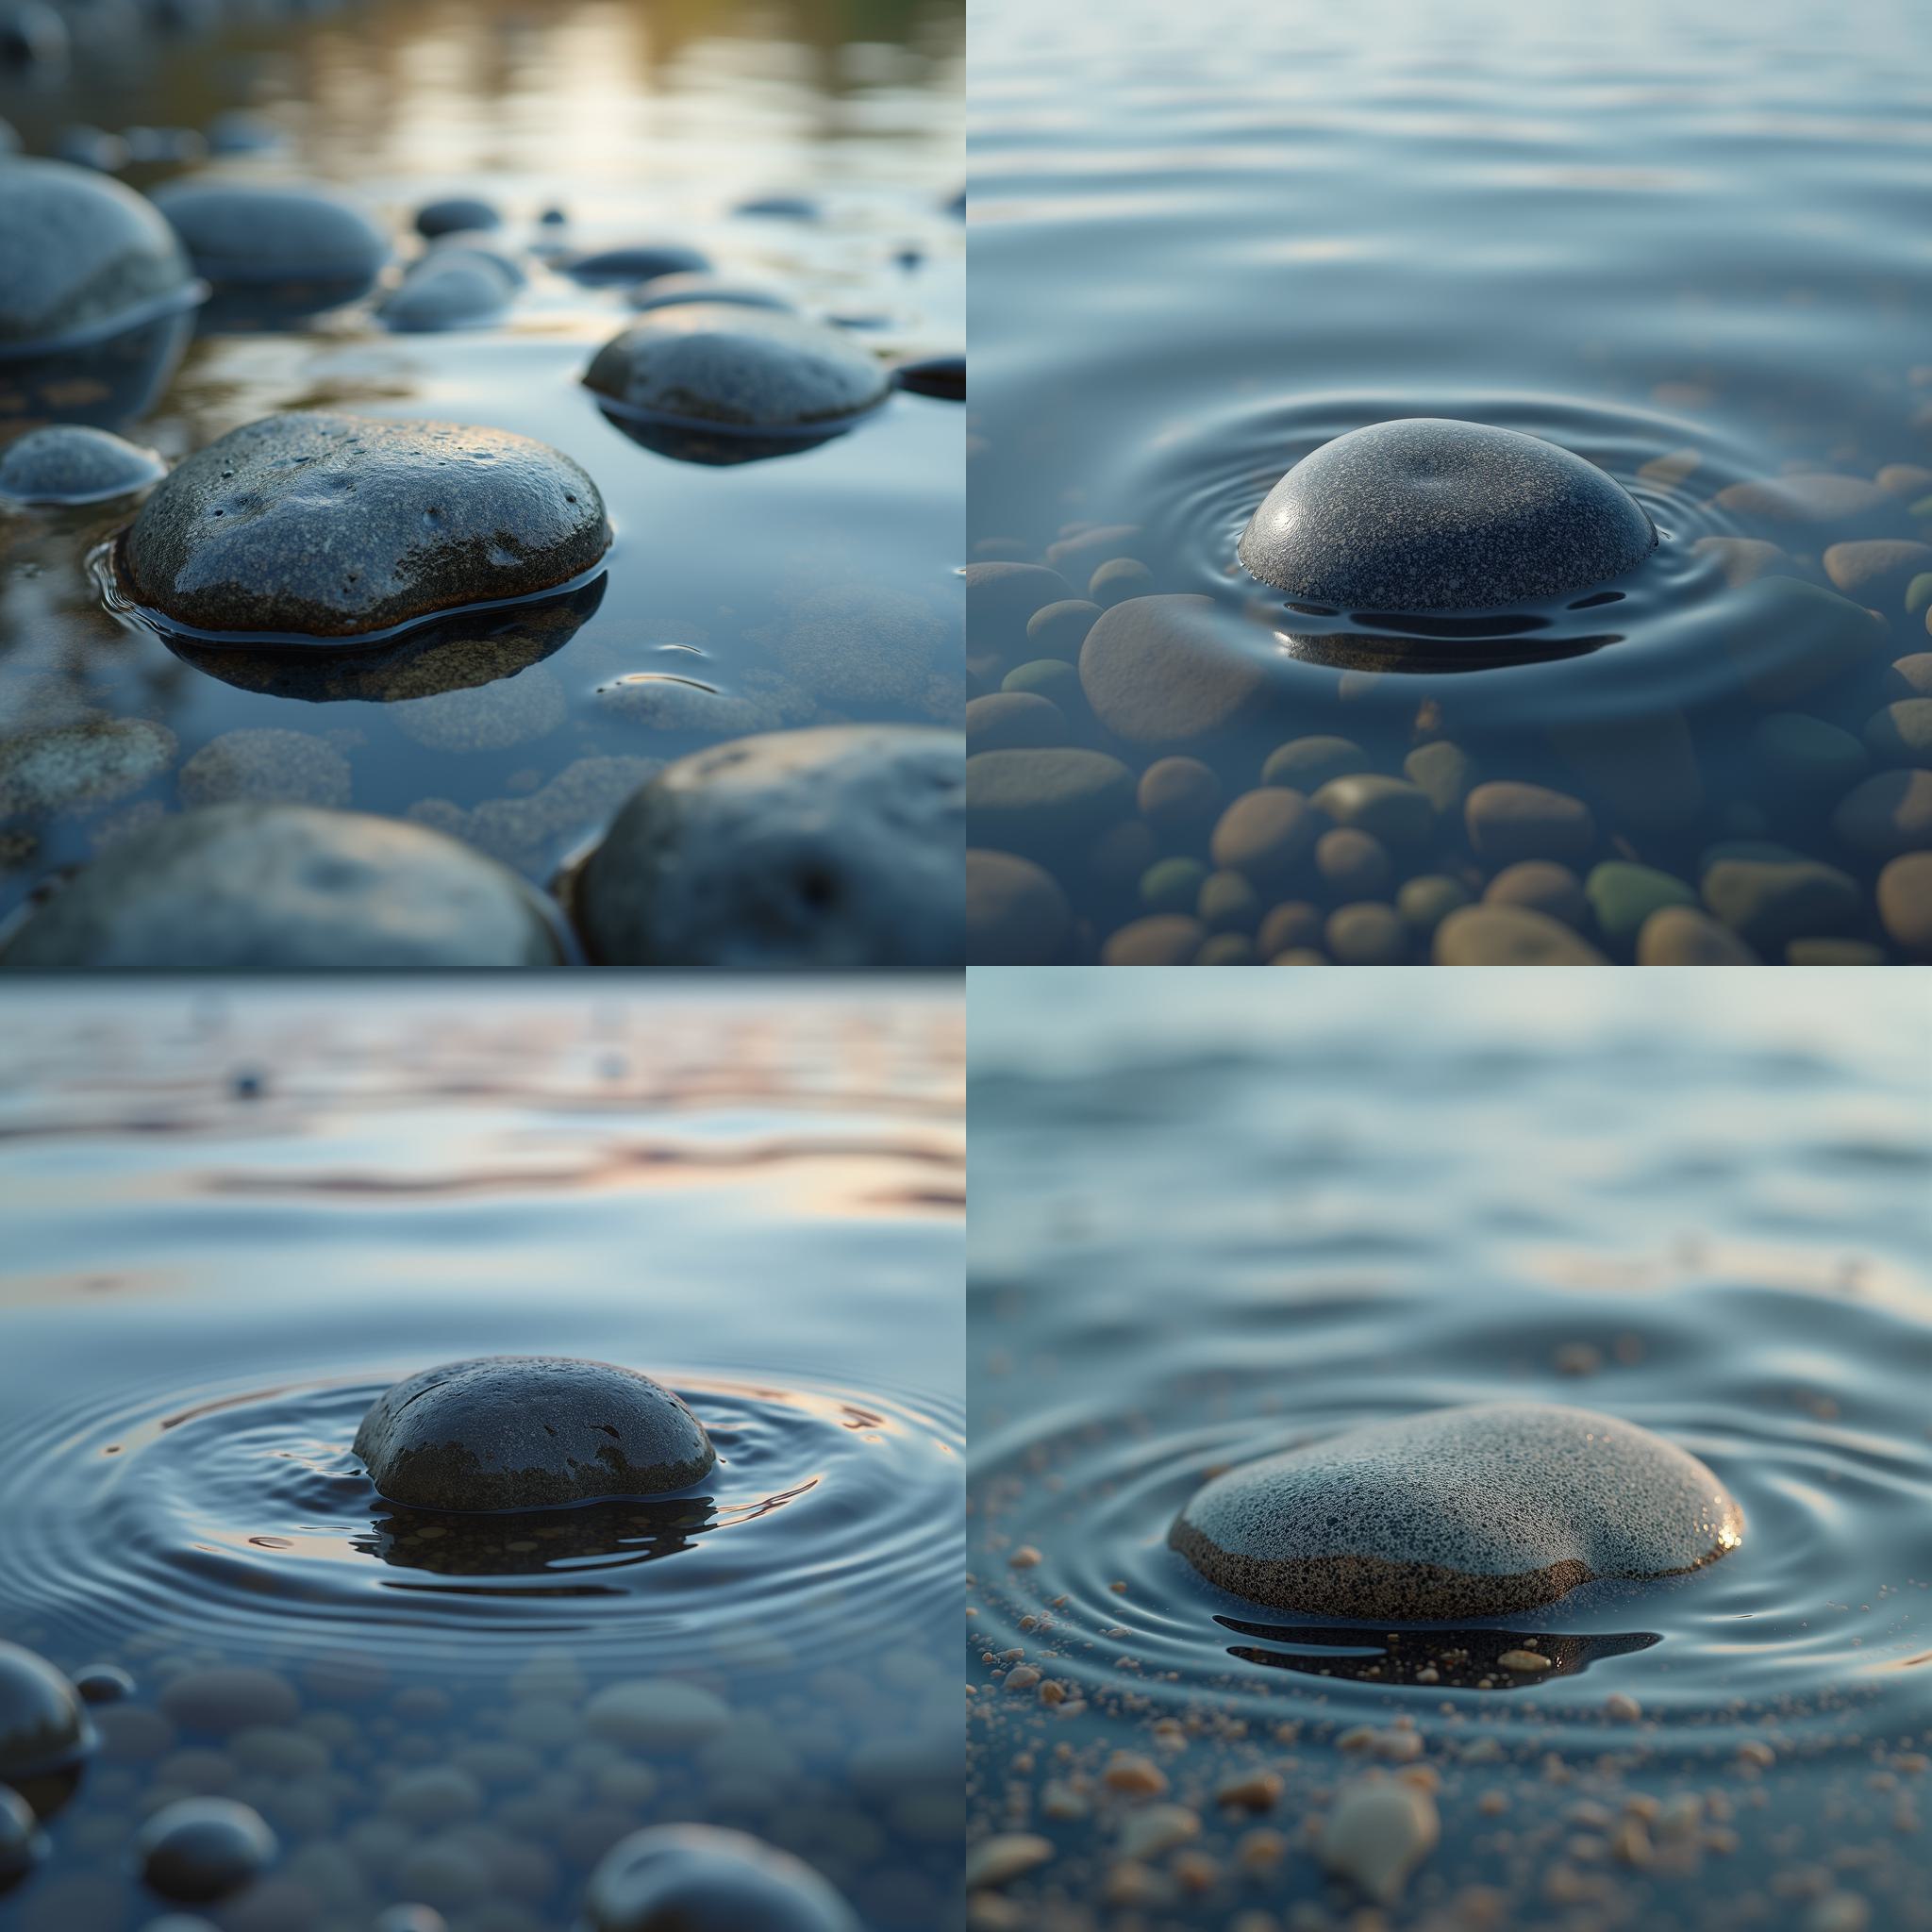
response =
{"points": [[226, 1698], [1165, 940], [1044, 803], [529, 1432], [242, 233], [1430, 515], [739, 369], [1508, 821], [23, 1843], [696, 1878], [80, 766], [1165, 671], [1890, 812], [1624, 896], [1901, 734], [1399, 814], [45, 1727], [456, 215], [837, 847], [1905, 903], [449, 288], [1489, 935], [1013, 721], [250, 888], [265, 765], [198, 1850], [1002, 600], [1476, 1512], [68, 463], [643, 264], [1770, 903], [337, 526], [670, 292]]}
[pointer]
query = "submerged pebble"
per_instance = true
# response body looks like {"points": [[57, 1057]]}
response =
{"points": [[79, 766], [23, 1843], [251, 888], [698, 1879], [456, 215], [834, 848], [198, 1850], [45, 1727], [672, 292], [529, 1432], [325, 525], [245, 233], [1380, 1830], [69, 463], [1457, 1512], [1426, 514], [643, 264], [452, 288]]}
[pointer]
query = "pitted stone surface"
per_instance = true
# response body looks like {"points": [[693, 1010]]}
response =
{"points": [[529, 1432], [1458, 1512], [1426, 514]]}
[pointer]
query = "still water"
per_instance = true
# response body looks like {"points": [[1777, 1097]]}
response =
{"points": [[235, 1218], [1204, 1229], [1678, 242], [812, 588]]}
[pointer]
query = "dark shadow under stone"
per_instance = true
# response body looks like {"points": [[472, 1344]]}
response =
{"points": [[1455, 1659]]}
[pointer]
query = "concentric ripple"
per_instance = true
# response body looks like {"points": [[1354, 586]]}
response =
{"points": [[241, 1513]]}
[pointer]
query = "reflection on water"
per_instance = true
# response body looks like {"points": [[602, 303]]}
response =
{"points": [[1206, 1228], [235, 1218]]}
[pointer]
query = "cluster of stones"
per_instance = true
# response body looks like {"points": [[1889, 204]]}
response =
{"points": [[1137, 793]]}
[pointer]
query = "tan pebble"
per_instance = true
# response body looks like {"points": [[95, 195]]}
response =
{"points": [[1025, 1557], [1755, 1753], [1631, 1843], [1259, 1850], [1024, 1678], [1526, 1661], [1378, 1833], [1157, 1829], [1578, 1359], [1058, 1799], [1260, 1790], [1493, 1804], [1429, 1675], [1196, 1871], [1838, 1911], [987, 1911], [1005, 1856], [1052, 1691], [1129, 1772], [1623, 1707], [1680, 1816], [1130, 1885]]}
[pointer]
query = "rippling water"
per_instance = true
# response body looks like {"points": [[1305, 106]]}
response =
{"points": [[1678, 241], [812, 588], [235, 1218], [1206, 1228]]}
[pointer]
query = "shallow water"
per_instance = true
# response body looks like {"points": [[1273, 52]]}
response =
{"points": [[235, 1217], [811, 588], [1674, 240], [1206, 1228]]}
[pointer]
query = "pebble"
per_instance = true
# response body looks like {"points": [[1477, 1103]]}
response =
{"points": [[1380, 1830], [103, 1684], [1540, 884], [727, 366], [1509, 935], [1790, 638], [670, 292], [1812, 499], [834, 848], [449, 289], [991, 1862], [1002, 600], [1163, 672], [1353, 864], [23, 1843], [1178, 797], [226, 1698], [1366, 934], [1058, 629], [45, 1727], [419, 517], [67, 464], [1509, 821], [1905, 902], [249, 887], [1425, 514], [1306, 764], [697, 1878], [1460, 1512], [245, 233], [639, 263], [81, 258], [1769, 904], [1446, 772], [1889, 813], [1117, 580], [265, 765], [1264, 835], [1685, 936], [78, 767], [1013, 721], [1625, 895], [1227, 903], [1424, 902], [1392, 810], [1876, 570], [1741, 559], [456, 215], [1170, 940], [529, 1432], [198, 1850], [1901, 734], [1016, 913], [1805, 755], [1044, 803], [656, 1714]]}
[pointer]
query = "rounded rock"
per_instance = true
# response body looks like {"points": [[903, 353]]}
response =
{"points": [[81, 258], [1509, 935], [1687, 935], [1003, 599], [671, 291], [1165, 671], [457, 215], [1424, 902], [837, 849], [1508, 821], [1165, 940], [1354, 864], [1889, 813], [1264, 834], [68, 463], [1058, 629], [453, 289], [1042, 804], [1179, 797], [1542, 886], [697, 1878], [333, 526], [1367, 933], [241, 233], [1624, 896], [1460, 1512], [1014, 721], [1901, 734], [44, 1729], [248, 887], [23, 1843], [1905, 903], [719, 366], [1016, 913], [1306, 764], [640, 262], [1426, 514], [198, 1850], [1394, 810], [529, 1432], [1769, 902]]}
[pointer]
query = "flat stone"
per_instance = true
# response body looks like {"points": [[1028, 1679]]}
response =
{"points": [[1813, 499], [333, 526], [1306, 764], [1768, 904], [1165, 671], [452, 289], [265, 765], [457, 214], [244, 233], [1457, 1512], [1509, 935], [1401, 814], [1042, 804], [1014, 721], [1265, 834], [1889, 813], [636, 262], [79, 767], [1876, 570], [836, 848], [68, 463], [81, 258], [698, 1879], [1509, 821], [529, 1432], [723, 366], [1426, 514], [1016, 913], [252, 888], [672, 292]]}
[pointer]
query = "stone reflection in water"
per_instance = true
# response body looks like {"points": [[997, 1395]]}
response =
{"points": [[105, 385], [1457, 1660]]}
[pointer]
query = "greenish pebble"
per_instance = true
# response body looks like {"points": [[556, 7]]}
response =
{"points": [[1227, 903], [1035, 802], [1052, 679], [1368, 934], [1901, 734], [1807, 755], [1226, 949], [1293, 925], [1059, 630], [1919, 593], [1770, 905], [1624, 896], [1426, 901], [1173, 885], [1117, 580], [1446, 772], [1306, 764], [1398, 813], [1890, 812]]}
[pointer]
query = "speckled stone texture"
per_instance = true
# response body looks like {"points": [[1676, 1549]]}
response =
{"points": [[334, 526], [697, 1878], [1431, 515], [68, 463], [79, 255], [245, 233], [529, 1432], [1460, 1512], [738, 367]]}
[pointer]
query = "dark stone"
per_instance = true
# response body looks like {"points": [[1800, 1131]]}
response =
{"points": [[941, 376], [67, 463], [261, 234], [81, 258], [529, 1432], [1431, 515], [103, 1684], [44, 1729], [780, 207], [836, 848], [455, 215], [696, 1878], [337, 526], [250, 888], [1458, 1512], [32, 36], [23, 1843], [673, 291], [641, 264], [449, 288], [197, 1850], [1002, 599]]}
